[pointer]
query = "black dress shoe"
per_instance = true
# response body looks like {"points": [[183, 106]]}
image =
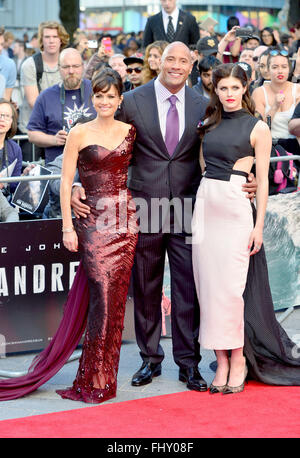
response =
{"points": [[145, 374], [193, 379]]}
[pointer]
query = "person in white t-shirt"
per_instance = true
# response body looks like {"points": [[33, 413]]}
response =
{"points": [[52, 39]]}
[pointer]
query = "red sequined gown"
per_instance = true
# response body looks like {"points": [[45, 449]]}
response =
{"points": [[107, 239]]}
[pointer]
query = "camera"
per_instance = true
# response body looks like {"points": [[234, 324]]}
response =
{"points": [[244, 32]]}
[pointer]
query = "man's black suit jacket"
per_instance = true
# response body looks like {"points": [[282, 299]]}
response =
{"points": [[154, 175], [187, 29]]}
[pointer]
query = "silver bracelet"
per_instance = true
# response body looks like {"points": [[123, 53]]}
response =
{"points": [[68, 229]]}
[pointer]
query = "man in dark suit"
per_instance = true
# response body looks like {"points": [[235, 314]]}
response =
{"points": [[164, 178], [158, 176], [171, 24]]}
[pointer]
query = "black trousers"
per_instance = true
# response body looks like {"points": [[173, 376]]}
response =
{"points": [[148, 272]]}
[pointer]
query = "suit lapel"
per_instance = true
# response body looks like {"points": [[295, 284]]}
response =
{"points": [[147, 106], [179, 24], [160, 24]]}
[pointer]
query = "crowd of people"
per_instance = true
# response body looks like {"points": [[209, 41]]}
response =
{"points": [[155, 103], [29, 67]]}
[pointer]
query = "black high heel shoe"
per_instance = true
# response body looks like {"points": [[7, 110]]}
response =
{"points": [[236, 389], [213, 389]]}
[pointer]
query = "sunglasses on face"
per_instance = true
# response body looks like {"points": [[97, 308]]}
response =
{"points": [[276, 52], [136, 70]]}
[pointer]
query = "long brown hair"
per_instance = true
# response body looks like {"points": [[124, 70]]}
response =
{"points": [[149, 74], [213, 112]]}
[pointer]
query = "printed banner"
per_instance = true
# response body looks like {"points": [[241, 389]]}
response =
{"points": [[36, 273]]}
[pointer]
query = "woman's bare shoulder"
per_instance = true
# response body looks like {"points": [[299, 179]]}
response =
{"points": [[257, 91], [125, 127], [262, 128]]}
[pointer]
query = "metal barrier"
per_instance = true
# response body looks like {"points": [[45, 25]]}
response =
{"points": [[18, 138], [21, 137], [29, 178], [293, 157], [58, 176]]}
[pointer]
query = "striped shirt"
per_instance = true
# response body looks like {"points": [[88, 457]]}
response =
{"points": [[163, 105]]}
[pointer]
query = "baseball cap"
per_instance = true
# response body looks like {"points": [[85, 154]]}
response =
{"points": [[253, 36], [207, 46], [247, 68], [134, 59]]}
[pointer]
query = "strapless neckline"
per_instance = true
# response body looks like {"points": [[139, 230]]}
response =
{"points": [[109, 150]]}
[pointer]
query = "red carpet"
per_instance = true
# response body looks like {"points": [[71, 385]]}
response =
{"points": [[260, 411]]}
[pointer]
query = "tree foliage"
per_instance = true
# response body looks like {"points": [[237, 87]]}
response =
{"points": [[294, 13], [69, 15]]}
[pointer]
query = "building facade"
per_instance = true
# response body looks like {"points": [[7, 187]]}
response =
{"points": [[20, 16], [131, 15]]}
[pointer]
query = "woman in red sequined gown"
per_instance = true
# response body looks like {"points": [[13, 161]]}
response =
{"points": [[106, 239]]}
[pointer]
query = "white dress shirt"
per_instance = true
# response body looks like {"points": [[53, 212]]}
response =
{"points": [[163, 105], [165, 17]]}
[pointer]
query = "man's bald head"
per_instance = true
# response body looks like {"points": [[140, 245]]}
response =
{"points": [[177, 45], [176, 65], [71, 68], [69, 52]]}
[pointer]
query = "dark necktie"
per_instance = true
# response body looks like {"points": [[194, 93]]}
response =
{"points": [[172, 126], [170, 30]]}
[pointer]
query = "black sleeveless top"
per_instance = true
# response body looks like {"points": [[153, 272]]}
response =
{"points": [[225, 144]]}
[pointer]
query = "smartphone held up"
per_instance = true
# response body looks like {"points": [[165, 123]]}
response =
{"points": [[106, 42], [244, 32]]}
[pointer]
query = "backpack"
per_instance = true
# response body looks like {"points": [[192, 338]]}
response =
{"points": [[39, 66], [282, 174]]}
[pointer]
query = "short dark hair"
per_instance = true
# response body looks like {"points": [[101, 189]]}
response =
{"points": [[21, 42], [232, 21], [103, 80], [207, 63], [14, 123]]}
